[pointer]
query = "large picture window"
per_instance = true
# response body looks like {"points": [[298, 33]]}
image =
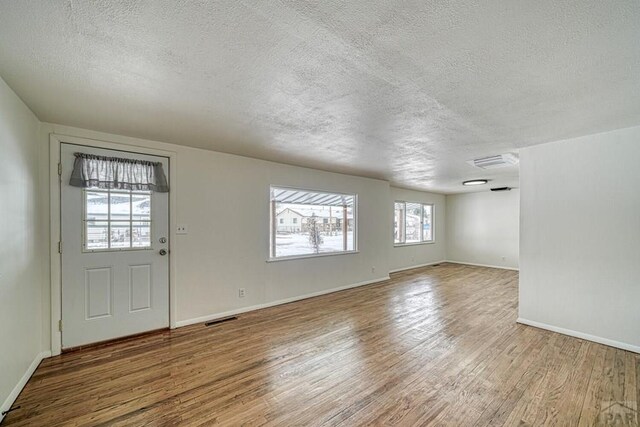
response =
{"points": [[311, 223], [412, 223]]}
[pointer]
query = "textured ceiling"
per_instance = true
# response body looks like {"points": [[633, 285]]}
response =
{"points": [[405, 91]]}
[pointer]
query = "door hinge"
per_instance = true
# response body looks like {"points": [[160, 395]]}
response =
{"points": [[60, 247], [60, 325], [60, 169]]}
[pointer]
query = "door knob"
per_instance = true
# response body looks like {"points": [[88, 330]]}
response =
{"points": [[163, 252]]}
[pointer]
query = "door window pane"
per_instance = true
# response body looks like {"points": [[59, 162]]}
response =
{"points": [[141, 234], [96, 235], [97, 205], [141, 206], [116, 220], [120, 233], [119, 206]]}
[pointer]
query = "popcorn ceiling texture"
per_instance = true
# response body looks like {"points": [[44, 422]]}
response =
{"points": [[404, 91]]}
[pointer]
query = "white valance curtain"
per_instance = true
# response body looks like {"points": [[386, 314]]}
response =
{"points": [[116, 173]]}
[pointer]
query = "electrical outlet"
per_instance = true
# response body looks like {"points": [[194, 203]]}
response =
{"points": [[241, 293], [182, 229], [504, 258], [373, 269]]}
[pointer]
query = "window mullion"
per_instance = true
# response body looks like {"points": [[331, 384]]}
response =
{"points": [[273, 228], [109, 219], [130, 220], [422, 211], [345, 227]]}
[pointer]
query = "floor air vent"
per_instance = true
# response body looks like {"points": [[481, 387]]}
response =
{"points": [[221, 320]]}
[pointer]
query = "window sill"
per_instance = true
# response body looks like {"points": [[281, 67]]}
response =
{"points": [[292, 257], [400, 245]]}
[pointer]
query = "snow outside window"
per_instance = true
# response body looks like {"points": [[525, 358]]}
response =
{"points": [[412, 223], [311, 223]]}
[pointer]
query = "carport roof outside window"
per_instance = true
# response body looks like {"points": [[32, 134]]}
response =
{"points": [[304, 197]]}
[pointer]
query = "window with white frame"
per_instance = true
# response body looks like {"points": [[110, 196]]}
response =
{"points": [[412, 223], [310, 223], [116, 220]]}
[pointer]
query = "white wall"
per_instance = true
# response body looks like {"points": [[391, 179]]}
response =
{"points": [[580, 237], [224, 201], [24, 246], [403, 257], [483, 228]]}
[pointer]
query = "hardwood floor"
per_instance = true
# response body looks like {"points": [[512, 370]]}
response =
{"points": [[432, 346]]}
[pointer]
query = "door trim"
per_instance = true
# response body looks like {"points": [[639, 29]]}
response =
{"points": [[55, 141]]}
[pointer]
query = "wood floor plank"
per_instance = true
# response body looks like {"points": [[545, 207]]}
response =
{"points": [[432, 346]]}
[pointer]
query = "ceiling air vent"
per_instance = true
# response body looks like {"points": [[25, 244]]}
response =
{"points": [[494, 162]]}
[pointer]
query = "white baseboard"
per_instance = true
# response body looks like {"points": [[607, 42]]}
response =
{"points": [[581, 335], [8, 402], [214, 316], [416, 266], [483, 265]]}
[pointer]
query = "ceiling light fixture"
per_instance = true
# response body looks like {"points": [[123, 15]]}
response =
{"points": [[475, 182]]}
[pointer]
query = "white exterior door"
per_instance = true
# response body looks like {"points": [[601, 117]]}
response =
{"points": [[115, 262]]}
